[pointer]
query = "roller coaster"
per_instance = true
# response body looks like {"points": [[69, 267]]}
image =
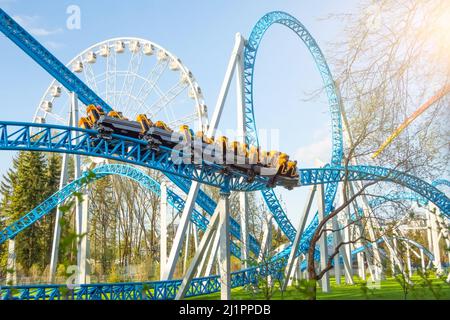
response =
{"points": [[238, 166]]}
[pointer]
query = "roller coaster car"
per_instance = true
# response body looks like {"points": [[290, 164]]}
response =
{"points": [[187, 133], [94, 113], [85, 123], [200, 135], [235, 156]]}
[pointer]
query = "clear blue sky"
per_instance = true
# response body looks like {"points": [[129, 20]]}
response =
{"points": [[201, 33]]}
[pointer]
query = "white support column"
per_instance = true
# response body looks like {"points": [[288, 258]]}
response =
{"points": [[347, 249], [213, 253], [298, 236], [325, 281], [337, 240], [224, 247], [84, 242], [376, 256], [77, 174], [163, 231], [394, 252], [366, 255], [435, 239], [408, 259], [11, 272], [240, 96], [181, 231], [293, 276], [186, 246], [195, 234], [422, 260], [208, 253], [206, 239], [243, 206], [266, 243], [238, 45], [361, 266], [57, 228]]}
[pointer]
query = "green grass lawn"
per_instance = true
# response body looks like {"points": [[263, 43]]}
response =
{"points": [[389, 289]]}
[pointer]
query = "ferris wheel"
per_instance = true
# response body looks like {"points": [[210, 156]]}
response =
{"points": [[133, 76]]}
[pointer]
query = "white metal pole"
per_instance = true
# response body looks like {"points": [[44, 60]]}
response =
{"points": [[181, 232], [186, 246], [266, 240], [422, 260], [57, 228], [298, 235], [337, 240], [77, 175], [210, 230], [224, 247], [325, 281], [240, 96], [435, 239], [213, 253], [163, 231], [347, 251], [195, 234], [208, 252], [84, 242]]}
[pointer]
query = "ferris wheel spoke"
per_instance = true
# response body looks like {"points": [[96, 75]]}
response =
{"points": [[167, 98], [150, 81], [111, 77], [185, 120], [57, 117], [128, 83], [89, 75]]}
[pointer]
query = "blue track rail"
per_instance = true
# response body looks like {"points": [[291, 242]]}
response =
{"points": [[250, 53], [48, 61]]}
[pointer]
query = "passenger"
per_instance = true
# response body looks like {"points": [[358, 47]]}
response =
{"points": [[201, 135], [161, 124], [222, 143], [85, 123], [115, 114], [253, 155], [282, 167], [145, 123], [292, 169], [94, 113], [187, 132]]}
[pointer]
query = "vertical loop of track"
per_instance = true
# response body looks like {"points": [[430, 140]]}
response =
{"points": [[250, 53]]}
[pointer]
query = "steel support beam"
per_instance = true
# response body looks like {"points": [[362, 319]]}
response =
{"points": [[181, 232], [325, 281], [337, 241], [298, 235], [163, 230], [210, 230], [224, 246], [57, 228], [84, 277]]}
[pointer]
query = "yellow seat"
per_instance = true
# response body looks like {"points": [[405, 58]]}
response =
{"points": [[184, 129], [144, 122], [115, 114], [94, 113], [85, 123], [162, 125]]}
